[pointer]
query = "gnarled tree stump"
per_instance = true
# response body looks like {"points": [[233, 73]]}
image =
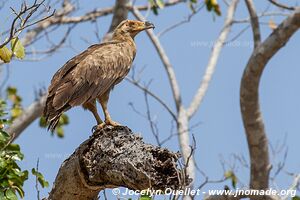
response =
{"points": [[114, 157]]}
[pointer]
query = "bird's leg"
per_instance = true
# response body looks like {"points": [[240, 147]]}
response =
{"points": [[91, 106], [108, 121]]}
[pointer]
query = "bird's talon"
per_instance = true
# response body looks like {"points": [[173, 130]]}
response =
{"points": [[112, 123]]}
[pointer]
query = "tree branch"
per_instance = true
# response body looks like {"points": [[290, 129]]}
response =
{"points": [[280, 5], [210, 68], [254, 22], [120, 14], [115, 157], [34, 111], [249, 99], [61, 17]]}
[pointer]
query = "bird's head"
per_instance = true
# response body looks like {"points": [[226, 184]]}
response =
{"points": [[131, 28]]}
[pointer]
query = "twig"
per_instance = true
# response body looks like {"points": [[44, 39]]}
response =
{"points": [[36, 180], [187, 20], [157, 98], [280, 5], [153, 125], [14, 31]]}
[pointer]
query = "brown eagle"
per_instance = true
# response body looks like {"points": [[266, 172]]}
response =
{"points": [[92, 74]]}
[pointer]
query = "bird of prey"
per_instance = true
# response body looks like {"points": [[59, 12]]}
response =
{"points": [[91, 75]]}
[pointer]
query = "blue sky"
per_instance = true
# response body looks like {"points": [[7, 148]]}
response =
{"points": [[220, 133]]}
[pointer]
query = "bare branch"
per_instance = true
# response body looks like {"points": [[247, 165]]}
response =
{"points": [[92, 15], [210, 68], [165, 60], [157, 98], [249, 99], [254, 23], [23, 16], [37, 182], [186, 20], [280, 5], [54, 47]]}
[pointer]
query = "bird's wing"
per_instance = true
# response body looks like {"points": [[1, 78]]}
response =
{"points": [[95, 73], [68, 66]]}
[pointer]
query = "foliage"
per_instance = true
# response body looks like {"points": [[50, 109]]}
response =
{"points": [[16, 48], [231, 175], [12, 177], [211, 5], [40, 178], [145, 197], [16, 100], [155, 4], [5, 54]]}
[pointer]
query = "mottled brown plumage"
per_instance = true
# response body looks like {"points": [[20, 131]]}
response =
{"points": [[91, 75]]}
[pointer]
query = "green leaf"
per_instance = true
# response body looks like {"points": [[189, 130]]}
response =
{"points": [[60, 132], [212, 5], [13, 147], [145, 197], [64, 119], [17, 48], [16, 112], [4, 136], [12, 94], [296, 198], [11, 195], [155, 10], [160, 4], [230, 175], [2, 196], [20, 192], [154, 6], [11, 91], [43, 122], [40, 178], [5, 54]]}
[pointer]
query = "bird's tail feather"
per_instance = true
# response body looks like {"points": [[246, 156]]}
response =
{"points": [[53, 122]]}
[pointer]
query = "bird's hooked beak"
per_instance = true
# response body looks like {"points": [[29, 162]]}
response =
{"points": [[148, 25]]}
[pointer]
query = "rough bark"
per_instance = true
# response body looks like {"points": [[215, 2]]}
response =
{"points": [[114, 157], [249, 100], [254, 22]]}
